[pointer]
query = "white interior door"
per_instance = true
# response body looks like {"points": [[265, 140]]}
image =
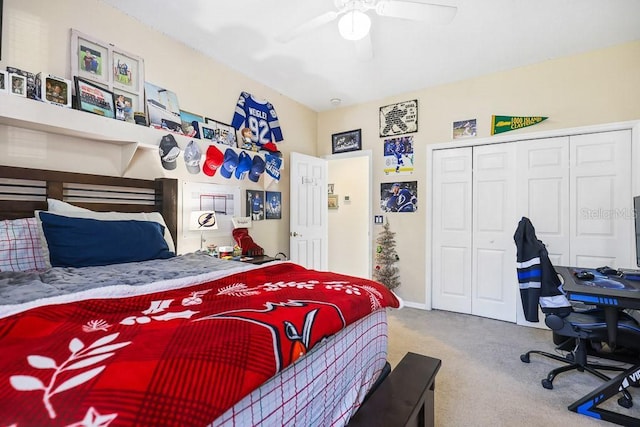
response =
{"points": [[308, 228], [494, 280], [543, 197], [452, 222], [601, 203]]}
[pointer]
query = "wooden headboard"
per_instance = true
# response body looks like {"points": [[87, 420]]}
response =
{"points": [[23, 191]]}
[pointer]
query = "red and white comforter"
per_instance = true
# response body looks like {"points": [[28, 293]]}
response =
{"points": [[175, 357]]}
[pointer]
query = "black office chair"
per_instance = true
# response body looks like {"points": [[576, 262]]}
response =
{"points": [[573, 331], [576, 334]]}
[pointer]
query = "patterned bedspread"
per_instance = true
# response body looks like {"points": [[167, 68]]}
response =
{"points": [[179, 356]]}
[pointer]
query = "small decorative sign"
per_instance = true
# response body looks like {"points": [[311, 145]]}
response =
{"points": [[500, 124], [398, 119]]}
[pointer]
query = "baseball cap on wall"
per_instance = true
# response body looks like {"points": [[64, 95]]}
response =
{"points": [[169, 152], [244, 164], [212, 161], [230, 163], [257, 168], [192, 156]]}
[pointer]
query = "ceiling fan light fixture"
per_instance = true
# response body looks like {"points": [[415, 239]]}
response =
{"points": [[354, 25]]}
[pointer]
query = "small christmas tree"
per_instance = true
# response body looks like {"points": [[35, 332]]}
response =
{"points": [[386, 256]]}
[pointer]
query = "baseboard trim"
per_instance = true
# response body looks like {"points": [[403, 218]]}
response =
{"points": [[416, 305]]}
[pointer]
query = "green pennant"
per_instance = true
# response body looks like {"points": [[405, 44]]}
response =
{"points": [[500, 124]]}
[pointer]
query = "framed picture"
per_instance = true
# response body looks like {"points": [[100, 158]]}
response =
{"points": [[206, 131], [190, 123], [163, 110], [31, 81], [54, 90], [17, 84], [464, 128], [89, 58], [332, 201], [255, 204], [94, 99], [330, 188], [119, 71], [127, 71], [222, 132], [4, 81], [398, 119], [346, 141], [126, 104], [273, 205], [399, 196]]}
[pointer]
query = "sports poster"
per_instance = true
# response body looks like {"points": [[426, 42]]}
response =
{"points": [[398, 156], [273, 206], [255, 205], [399, 196], [398, 119]]}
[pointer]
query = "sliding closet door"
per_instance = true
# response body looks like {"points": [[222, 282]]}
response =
{"points": [[494, 279], [451, 238], [601, 205]]}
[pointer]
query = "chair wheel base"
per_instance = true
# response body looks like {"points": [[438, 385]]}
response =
{"points": [[625, 402], [548, 384], [525, 358]]}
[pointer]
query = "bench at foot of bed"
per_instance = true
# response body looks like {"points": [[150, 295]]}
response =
{"points": [[404, 398]]}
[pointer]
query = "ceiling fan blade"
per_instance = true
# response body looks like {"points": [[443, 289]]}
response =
{"points": [[310, 25], [364, 48], [426, 12]]}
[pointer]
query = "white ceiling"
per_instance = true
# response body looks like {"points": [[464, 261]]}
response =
{"points": [[486, 36]]}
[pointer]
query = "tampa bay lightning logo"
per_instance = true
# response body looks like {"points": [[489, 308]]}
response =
{"points": [[207, 220]]}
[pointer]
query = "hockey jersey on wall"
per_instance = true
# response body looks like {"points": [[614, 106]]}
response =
{"points": [[260, 117]]}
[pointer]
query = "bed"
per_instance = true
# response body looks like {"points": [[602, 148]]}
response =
{"points": [[169, 340]]}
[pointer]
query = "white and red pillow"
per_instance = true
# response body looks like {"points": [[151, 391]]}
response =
{"points": [[20, 247]]}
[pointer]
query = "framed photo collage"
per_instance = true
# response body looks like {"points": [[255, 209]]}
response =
{"points": [[108, 81]]}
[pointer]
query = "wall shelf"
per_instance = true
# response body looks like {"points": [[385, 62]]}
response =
{"points": [[29, 114], [39, 116]]}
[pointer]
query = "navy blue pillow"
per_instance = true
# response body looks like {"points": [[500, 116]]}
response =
{"points": [[84, 242]]}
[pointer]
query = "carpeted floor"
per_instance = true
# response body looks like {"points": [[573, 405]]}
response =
{"points": [[482, 381]]}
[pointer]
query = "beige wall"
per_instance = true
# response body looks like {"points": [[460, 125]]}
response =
{"points": [[36, 37], [597, 87]]}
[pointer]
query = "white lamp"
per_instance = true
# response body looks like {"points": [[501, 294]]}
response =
{"points": [[354, 25], [203, 221]]}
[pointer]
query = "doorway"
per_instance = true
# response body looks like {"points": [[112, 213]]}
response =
{"points": [[349, 213]]}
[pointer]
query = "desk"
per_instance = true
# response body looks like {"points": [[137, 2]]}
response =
{"points": [[612, 294]]}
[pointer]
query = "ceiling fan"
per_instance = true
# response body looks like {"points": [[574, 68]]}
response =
{"points": [[354, 23]]}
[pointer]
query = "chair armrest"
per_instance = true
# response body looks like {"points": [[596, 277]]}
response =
{"points": [[554, 322]]}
